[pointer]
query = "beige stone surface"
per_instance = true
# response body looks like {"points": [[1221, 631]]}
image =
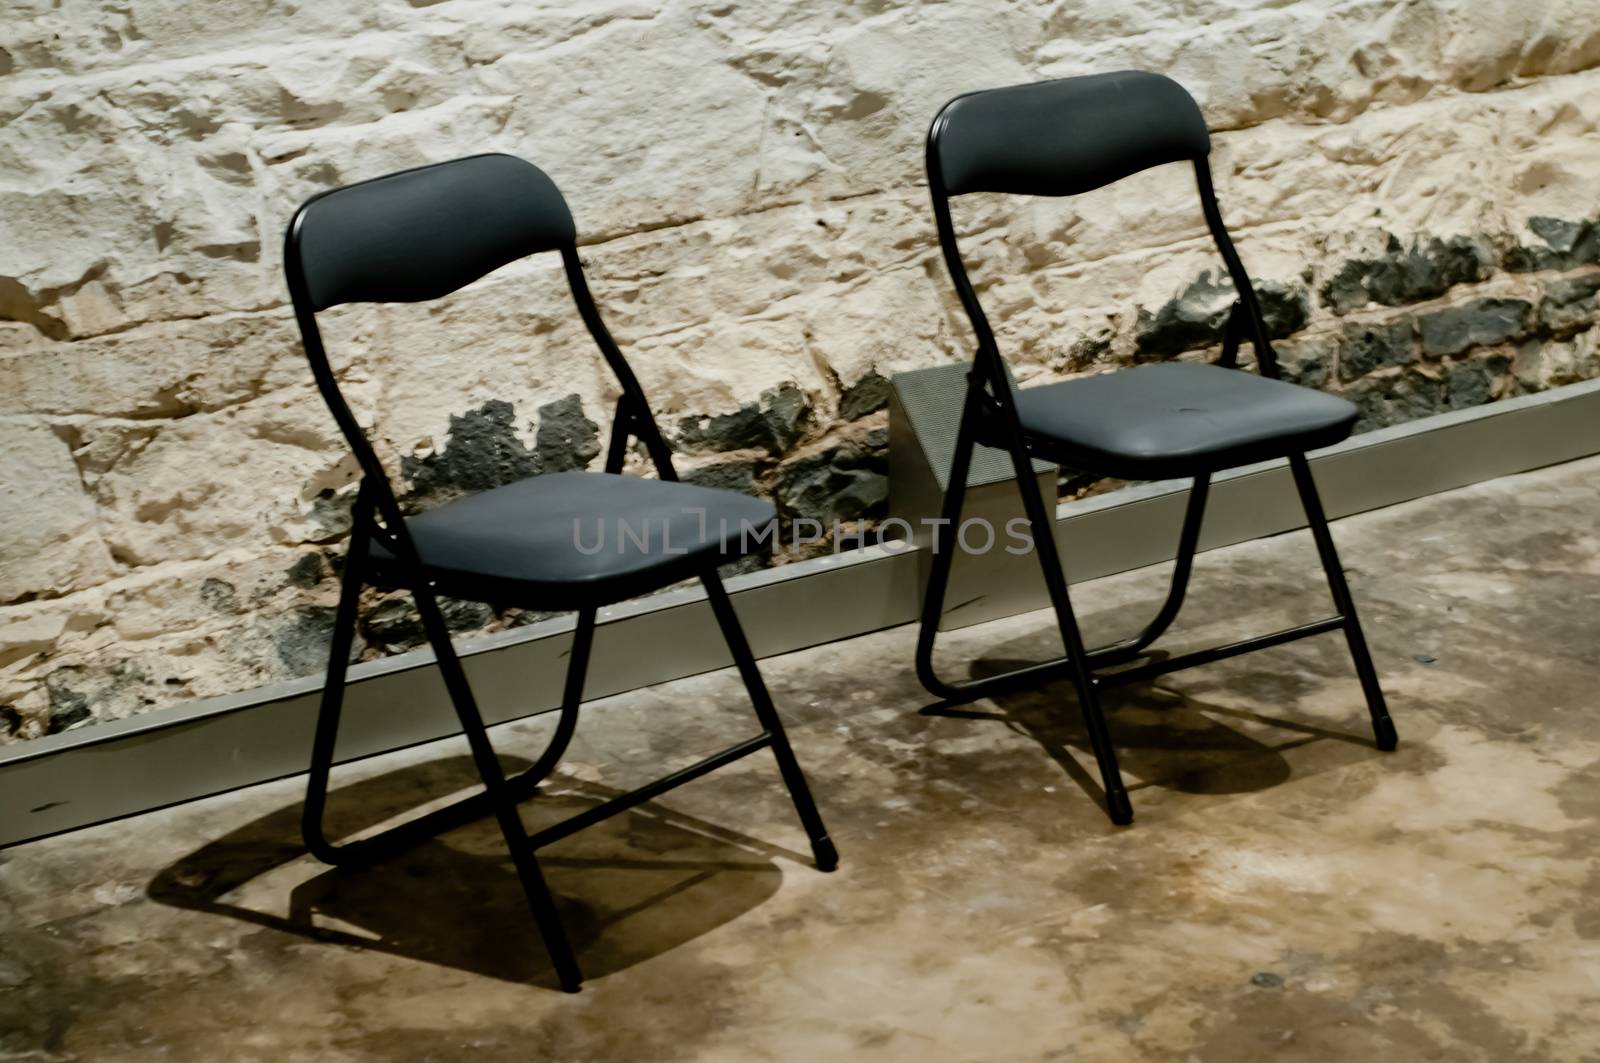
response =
{"points": [[747, 180], [46, 521]]}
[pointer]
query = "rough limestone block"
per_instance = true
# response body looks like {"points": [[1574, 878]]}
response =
{"points": [[50, 538], [157, 371], [214, 481]]}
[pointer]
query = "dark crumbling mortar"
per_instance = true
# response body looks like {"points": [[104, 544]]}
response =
{"points": [[1364, 348], [301, 640], [566, 441], [774, 423], [842, 483], [1395, 398], [737, 475], [1569, 304], [78, 694], [1408, 274], [1356, 349], [68, 705], [396, 624], [219, 595], [867, 395], [332, 514], [1307, 361], [308, 571], [1562, 244], [461, 615], [1480, 323], [1475, 382], [1087, 351], [483, 450], [1198, 316]]}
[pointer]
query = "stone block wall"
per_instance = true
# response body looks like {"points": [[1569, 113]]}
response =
{"points": [[1415, 185]]}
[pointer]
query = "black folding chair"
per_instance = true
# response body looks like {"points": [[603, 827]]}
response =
{"points": [[418, 235], [1152, 422]]}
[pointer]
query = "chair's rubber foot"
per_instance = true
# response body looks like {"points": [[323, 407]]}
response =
{"points": [[826, 855], [1120, 808], [1383, 730], [569, 976]]}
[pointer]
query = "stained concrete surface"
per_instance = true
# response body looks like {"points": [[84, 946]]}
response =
{"points": [[1287, 891]]}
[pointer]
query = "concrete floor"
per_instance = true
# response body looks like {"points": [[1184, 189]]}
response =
{"points": [[1287, 890]]}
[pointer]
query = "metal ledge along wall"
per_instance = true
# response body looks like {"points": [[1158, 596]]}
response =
{"points": [[1419, 212], [214, 744]]}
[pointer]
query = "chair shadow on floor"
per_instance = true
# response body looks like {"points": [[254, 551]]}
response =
{"points": [[629, 888], [1163, 738]]}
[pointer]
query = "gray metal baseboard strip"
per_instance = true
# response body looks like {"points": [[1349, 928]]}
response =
{"points": [[124, 767]]}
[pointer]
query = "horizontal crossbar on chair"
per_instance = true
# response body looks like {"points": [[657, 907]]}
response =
{"points": [[1217, 653], [1118, 651], [522, 786], [649, 791], [413, 832], [518, 789]]}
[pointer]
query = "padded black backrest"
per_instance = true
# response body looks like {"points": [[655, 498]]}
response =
{"points": [[1059, 138], [420, 234]]}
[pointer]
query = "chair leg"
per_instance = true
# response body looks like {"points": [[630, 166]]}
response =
{"points": [[327, 732], [1382, 724], [518, 788], [500, 798], [1115, 653], [1183, 564], [822, 848], [1118, 806], [1075, 660], [944, 542]]}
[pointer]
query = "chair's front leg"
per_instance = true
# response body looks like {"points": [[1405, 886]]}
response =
{"points": [[1382, 725], [1118, 806], [457, 814], [500, 798], [822, 847]]}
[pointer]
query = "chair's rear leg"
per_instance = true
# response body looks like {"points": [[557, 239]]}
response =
{"points": [[494, 782], [1183, 566], [1118, 806], [822, 848], [1382, 725]]}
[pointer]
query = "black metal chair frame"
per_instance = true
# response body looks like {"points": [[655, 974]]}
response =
{"points": [[989, 418], [377, 514]]}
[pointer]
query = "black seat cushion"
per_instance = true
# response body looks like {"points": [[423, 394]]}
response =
{"points": [[1178, 419], [575, 538]]}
